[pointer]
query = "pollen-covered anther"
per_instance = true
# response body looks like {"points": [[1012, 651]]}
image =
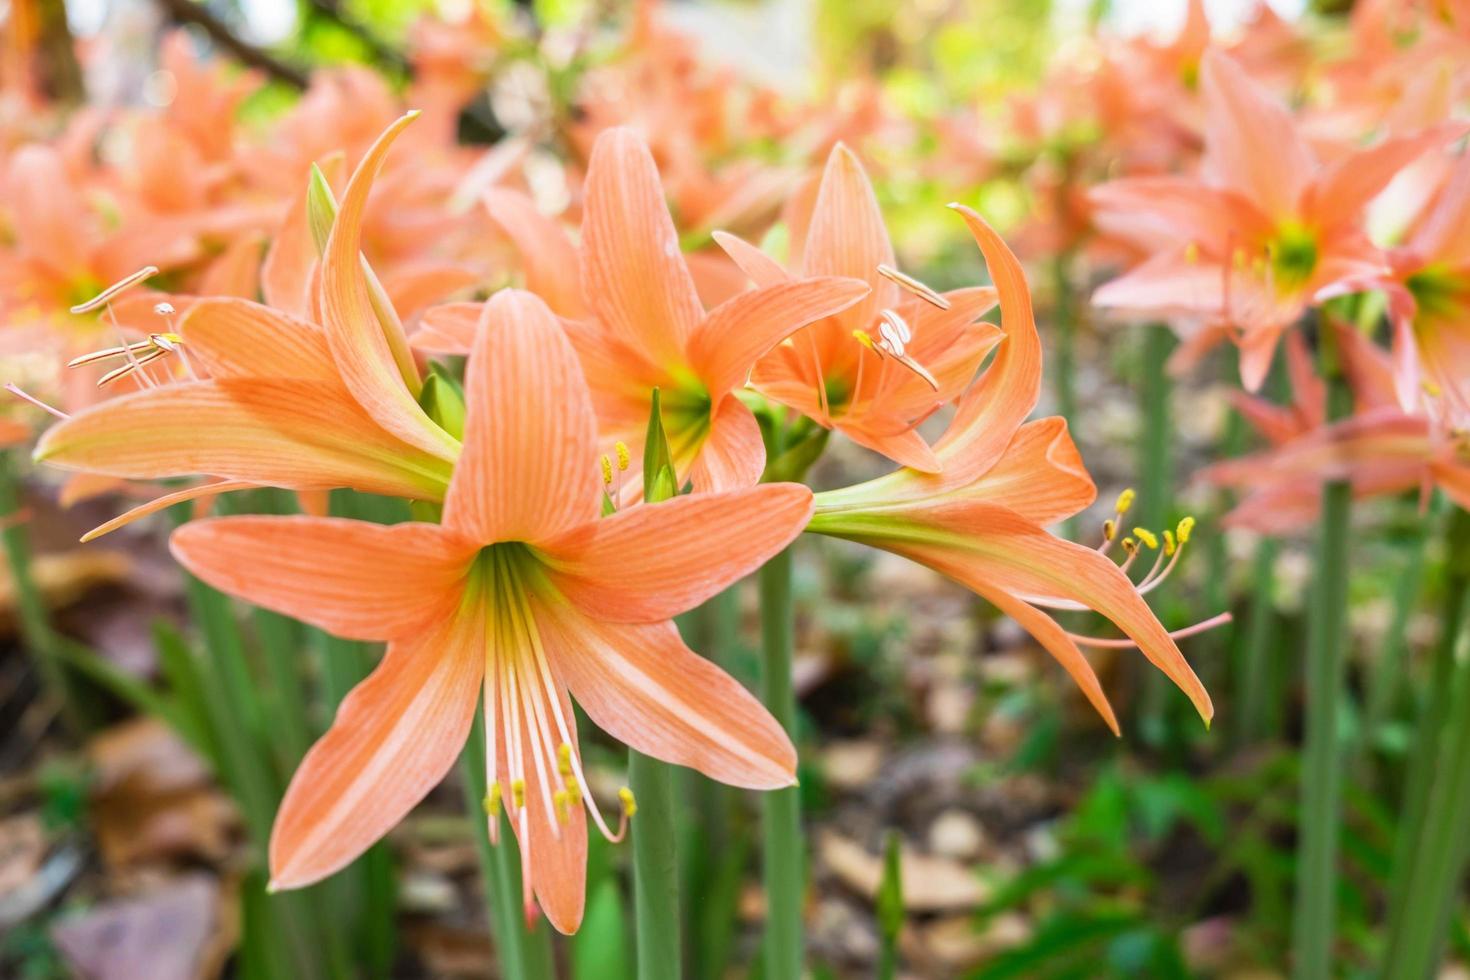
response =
{"points": [[1110, 529], [1169, 545], [1129, 545], [574, 790], [518, 793], [607, 471], [1125, 501], [491, 802], [1148, 537], [561, 802], [909, 284], [1185, 529], [630, 805], [621, 449]]}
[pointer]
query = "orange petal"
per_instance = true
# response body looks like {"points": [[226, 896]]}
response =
{"points": [[1059, 645], [291, 434], [395, 736], [448, 329], [733, 455], [1251, 140], [760, 267], [236, 271], [644, 687], [286, 273], [363, 355], [905, 447], [995, 406], [549, 261], [1041, 476], [413, 288], [847, 236], [235, 338], [632, 272], [529, 467], [737, 332], [1345, 188], [356, 579], [203, 490], [650, 562], [48, 217]]}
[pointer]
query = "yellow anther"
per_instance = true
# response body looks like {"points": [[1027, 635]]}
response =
{"points": [[861, 336], [630, 805], [1146, 536], [574, 790], [1185, 528], [1191, 253], [564, 759], [491, 802], [518, 793], [1430, 388], [1110, 529], [1169, 546], [1125, 500], [1129, 545], [621, 448], [560, 801], [606, 471]]}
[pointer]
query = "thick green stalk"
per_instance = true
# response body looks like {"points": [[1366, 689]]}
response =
{"points": [[784, 863], [1424, 761], [1259, 648], [655, 869], [1155, 492], [35, 620], [1314, 924], [1436, 860]]}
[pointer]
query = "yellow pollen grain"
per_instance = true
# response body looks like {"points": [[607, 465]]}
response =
{"points": [[630, 805], [861, 336], [574, 790], [1169, 546], [621, 448], [491, 803], [606, 471], [1146, 536], [1125, 501], [518, 793], [564, 759]]}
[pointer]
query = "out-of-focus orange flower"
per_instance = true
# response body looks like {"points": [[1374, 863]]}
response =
{"points": [[877, 369], [1266, 232], [521, 595], [981, 519]]}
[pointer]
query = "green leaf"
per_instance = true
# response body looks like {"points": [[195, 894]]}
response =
{"points": [[890, 890], [600, 949]]}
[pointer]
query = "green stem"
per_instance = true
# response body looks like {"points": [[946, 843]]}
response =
{"points": [[781, 809], [1321, 795], [1155, 468], [35, 619], [655, 869], [1436, 861], [1424, 757], [1256, 657], [1388, 667]]}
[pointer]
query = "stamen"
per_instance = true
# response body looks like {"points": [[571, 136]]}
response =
{"points": [[1147, 537], [1110, 529], [15, 390], [116, 289], [561, 800], [491, 802], [621, 448], [1169, 546], [607, 472], [1124, 643], [630, 805], [1125, 501], [518, 793], [907, 282]]}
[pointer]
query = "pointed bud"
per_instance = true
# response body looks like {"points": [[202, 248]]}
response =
{"points": [[321, 208]]}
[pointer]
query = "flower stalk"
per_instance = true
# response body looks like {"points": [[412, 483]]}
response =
{"points": [[1315, 915]]}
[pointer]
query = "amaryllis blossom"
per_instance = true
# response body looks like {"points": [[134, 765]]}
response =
{"points": [[981, 519], [1268, 230], [878, 368], [277, 400], [648, 329], [1381, 450], [521, 595], [1430, 305]]}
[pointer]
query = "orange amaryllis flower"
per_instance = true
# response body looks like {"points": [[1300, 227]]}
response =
{"points": [[981, 519], [648, 328], [521, 595], [877, 369], [281, 401], [1431, 305], [1270, 231]]}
